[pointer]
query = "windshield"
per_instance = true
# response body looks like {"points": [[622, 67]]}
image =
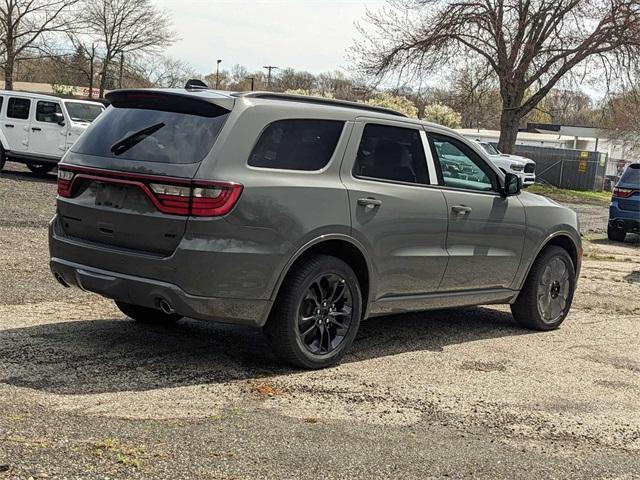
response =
{"points": [[490, 149], [83, 112]]}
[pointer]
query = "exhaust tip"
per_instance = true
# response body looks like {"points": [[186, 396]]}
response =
{"points": [[61, 280], [165, 306], [620, 224]]}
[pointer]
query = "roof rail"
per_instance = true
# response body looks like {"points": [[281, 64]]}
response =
{"points": [[195, 84], [318, 101]]}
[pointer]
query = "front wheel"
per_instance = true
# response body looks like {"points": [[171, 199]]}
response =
{"points": [[545, 299], [317, 314], [616, 234], [40, 168], [147, 315], [3, 158]]}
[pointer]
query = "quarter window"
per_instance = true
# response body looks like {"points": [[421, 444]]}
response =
{"points": [[391, 153], [18, 108], [46, 112], [297, 144], [460, 167]]}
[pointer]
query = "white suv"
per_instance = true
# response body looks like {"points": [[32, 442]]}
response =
{"points": [[38, 129], [523, 167]]}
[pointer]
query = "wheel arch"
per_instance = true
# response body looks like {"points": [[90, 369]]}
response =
{"points": [[343, 247], [563, 240]]}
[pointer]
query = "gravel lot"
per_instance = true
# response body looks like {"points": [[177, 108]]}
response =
{"points": [[85, 393]]}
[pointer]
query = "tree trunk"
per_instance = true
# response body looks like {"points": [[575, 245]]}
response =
{"points": [[91, 78], [103, 78], [509, 123], [9, 66]]}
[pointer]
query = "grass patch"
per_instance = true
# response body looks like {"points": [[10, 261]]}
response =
{"points": [[564, 195], [129, 457]]}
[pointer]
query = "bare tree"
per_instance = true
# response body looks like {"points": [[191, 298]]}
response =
{"points": [[529, 44], [125, 28], [165, 72], [22, 25]]}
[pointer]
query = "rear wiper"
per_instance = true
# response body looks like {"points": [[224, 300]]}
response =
{"points": [[132, 140]]}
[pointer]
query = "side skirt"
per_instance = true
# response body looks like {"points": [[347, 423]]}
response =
{"points": [[434, 301]]}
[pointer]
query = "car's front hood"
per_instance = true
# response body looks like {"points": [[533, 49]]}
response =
{"points": [[515, 158]]}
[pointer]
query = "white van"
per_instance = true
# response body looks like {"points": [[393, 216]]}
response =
{"points": [[37, 129]]}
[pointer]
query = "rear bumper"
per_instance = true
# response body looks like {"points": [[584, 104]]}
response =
{"points": [[626, 219], [148, 293]]}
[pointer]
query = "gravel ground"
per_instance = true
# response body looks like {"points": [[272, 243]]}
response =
{"points": [[85, 393]]}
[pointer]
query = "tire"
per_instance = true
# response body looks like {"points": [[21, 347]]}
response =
{"points": [[40, 168], [545, 299], [147, 315], [3, 158], [317, 313], [616, 234]]}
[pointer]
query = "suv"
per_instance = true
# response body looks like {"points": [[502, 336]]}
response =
{"points": [[523, 167], [37, 129], [303, 216], [624, 211]]}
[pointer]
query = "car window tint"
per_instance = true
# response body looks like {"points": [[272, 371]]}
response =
{"points": [[46, 112], [632, 174], [297, 144], [18, 108], [460, 167], [391, 153]]}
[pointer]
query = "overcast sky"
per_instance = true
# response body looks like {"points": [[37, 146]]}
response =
{"points": [[310, 35]]}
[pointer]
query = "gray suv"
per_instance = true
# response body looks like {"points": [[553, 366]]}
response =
{"points": [[301, 216]]}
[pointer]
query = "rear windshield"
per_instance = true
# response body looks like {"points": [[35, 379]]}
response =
{"points": [[151, 135], [632, 174]]}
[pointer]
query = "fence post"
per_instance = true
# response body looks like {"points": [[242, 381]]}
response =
{"points": [[561, 171]]}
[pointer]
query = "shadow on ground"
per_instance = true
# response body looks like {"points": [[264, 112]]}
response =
{"points": [[15, 172], [114, 355]]}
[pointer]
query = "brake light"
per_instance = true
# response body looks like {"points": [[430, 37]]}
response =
{"points": [[65, 179], [619, 192], [214, 200], [175, 197]]}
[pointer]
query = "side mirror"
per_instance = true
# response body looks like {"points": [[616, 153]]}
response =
{"points": [[60, 119], [512, 185]]}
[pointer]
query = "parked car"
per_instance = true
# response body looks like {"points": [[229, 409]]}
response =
{"points": [[299, 215], [523, 167], [624, 210], [37, 129]]}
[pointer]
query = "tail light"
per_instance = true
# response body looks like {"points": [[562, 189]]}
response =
{"points": [[65, 178], [619, 192], [171, 196]]}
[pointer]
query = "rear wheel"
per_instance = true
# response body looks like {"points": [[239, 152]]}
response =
{"points": [[616, 234], [546, 297], [40, 168], [147, 315], [3, 158], [317, 313]]}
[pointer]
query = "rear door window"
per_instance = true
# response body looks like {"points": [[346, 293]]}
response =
{"points": [[391, 153], [18, 108], [147, 132], [297, 144]]}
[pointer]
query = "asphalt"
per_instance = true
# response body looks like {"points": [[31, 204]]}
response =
{"points": [[86, 393]]}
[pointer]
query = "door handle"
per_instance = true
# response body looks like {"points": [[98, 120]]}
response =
{"points": [[9, 125], [369, 202], [36, 129], [461, 209]]}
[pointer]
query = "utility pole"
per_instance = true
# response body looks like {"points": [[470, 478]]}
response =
{"points": [[218, 73], [252, 80], [269, 68]]}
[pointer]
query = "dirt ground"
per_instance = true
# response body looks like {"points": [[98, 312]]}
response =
{"points": [[85, 393]]}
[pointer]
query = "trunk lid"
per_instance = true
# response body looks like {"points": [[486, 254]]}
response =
{"points": [[126, 182]]}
